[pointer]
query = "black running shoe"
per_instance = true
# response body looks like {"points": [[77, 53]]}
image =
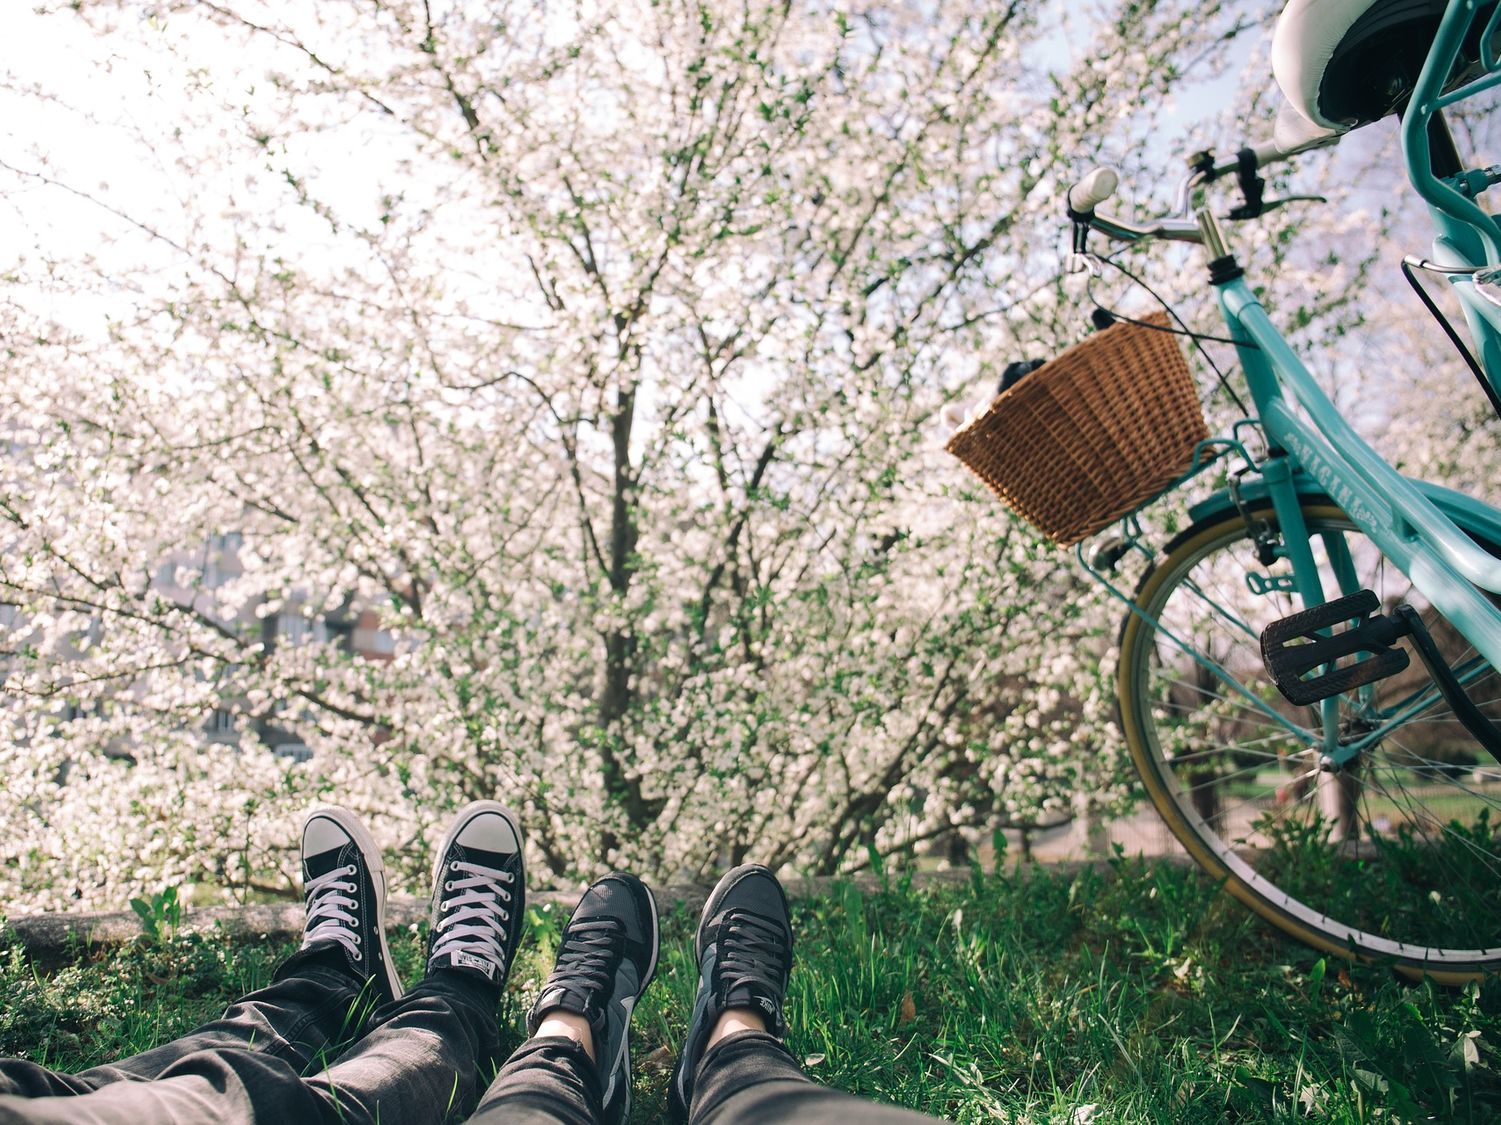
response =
{"points": [[345, 884], [479, 894], [744, 957], [605, 961]]}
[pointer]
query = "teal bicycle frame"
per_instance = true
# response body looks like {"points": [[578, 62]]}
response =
{"points": [[1440, 559], [1397, 514]]}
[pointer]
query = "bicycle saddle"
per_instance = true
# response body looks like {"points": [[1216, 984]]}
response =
{"points": [[1346, 63]]}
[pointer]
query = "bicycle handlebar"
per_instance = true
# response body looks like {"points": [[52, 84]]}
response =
{"points": [[1097, 187], [1173, 230], [1293, 135]]}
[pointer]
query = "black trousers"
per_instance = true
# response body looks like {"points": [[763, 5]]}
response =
{"points": [[308, 1048], [296, 1051]]}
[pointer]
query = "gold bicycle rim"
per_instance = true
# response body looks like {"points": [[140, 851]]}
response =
{"points": [[1158, 791]]}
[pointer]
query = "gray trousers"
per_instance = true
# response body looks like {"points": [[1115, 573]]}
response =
{"points": [[747, 1078]]}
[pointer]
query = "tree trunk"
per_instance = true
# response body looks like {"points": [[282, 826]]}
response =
{"points": [[620, 643]]}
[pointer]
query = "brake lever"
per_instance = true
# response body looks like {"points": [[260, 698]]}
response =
{"points": [[1273, 204], [1239, 214]]}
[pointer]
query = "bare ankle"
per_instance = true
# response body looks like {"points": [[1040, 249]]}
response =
{"points": [[567, 1025], [733, 1020]]}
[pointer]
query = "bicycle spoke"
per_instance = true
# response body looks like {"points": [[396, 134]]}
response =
{"points": [[1423, 814], [1397, 846]]}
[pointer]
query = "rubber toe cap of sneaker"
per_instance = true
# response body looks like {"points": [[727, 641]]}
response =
{"points": [[489, 830], [322, 833]]}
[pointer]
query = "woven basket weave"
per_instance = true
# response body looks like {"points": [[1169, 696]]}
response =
{"points": [[1092, 434]]}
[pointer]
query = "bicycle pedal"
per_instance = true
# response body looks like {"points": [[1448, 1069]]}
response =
{"points": [[1305, 643]]}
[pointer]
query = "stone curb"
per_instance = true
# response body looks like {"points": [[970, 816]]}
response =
{"points": [[50, 940]]}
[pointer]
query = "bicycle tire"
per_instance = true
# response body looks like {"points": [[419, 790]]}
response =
{"points": [[1383, 867]]}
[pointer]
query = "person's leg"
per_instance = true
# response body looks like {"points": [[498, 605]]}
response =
{"points": [[733, 1065], [749, 1076], [224, 1085], [318, 1000], [576, 1067], [308, 1011], [421, 1061], [251, 1060], [548, 1080], [418, 1064]]}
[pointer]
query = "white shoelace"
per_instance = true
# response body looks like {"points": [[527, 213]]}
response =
{"points": [[329, 910], [474, 916]]}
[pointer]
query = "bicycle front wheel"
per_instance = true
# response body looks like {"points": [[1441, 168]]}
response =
{"points": [[1395, 856]]}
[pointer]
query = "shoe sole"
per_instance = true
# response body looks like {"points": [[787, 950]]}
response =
{"points": [[460, 822], [727, 882], [357, 832]]}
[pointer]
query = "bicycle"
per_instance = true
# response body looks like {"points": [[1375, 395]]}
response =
{"points": [[1347, 804]]}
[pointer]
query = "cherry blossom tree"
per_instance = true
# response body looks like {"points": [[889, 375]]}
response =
{"points": [[598, 352]]}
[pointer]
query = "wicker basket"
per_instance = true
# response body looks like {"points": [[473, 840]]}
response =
{"points": [[1090, 435]]}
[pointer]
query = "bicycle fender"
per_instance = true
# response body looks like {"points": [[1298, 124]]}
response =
{"points": [[1253, 490], [1464, 509]]}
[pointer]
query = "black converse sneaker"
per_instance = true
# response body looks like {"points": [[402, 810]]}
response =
{"points": [[605, 961], [345, 883], [744, 957], [479, 894]]}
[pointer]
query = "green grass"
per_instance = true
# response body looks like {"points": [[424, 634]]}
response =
{"points": [[1143, 991]]}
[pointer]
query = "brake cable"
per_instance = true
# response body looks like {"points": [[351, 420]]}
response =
{"points": [[1183, 329], [1409, 264]]}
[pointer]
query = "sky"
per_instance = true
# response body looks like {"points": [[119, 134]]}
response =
{"points": [[126, 94], [87, 130]]}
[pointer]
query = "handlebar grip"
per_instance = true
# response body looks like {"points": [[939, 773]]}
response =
{"points": [[1092, 190]]}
